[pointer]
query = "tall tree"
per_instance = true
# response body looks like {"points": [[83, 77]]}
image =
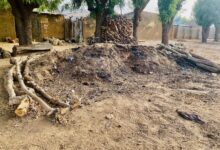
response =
{"points": [[139, 6], [168, 10], [204, 12], [23, 11]]}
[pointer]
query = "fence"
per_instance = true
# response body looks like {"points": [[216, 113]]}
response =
{"points": [[191, 32]]}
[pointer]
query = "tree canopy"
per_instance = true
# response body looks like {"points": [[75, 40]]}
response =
{"points": [[138, 3], [4, 4], [168, 9], [107, 6], [41, 4], [205, 12], [139, 6]]}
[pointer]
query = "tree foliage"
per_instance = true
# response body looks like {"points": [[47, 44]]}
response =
{"points": [[138, 3], [206, 12], [216, 12], [168, 9], [139, 6], [107, 6], [4, 4], [41, 4]]}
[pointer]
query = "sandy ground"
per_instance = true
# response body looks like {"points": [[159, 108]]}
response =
{"points": [[143, 119]]}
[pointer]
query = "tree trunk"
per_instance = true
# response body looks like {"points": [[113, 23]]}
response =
{"points": [[205, 34], [217, 32], [137, 15], [165, 33], [98, 25], [137, 18], [100, 17], [23, 14]]}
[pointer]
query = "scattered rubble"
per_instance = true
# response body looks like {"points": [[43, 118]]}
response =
{"points": [[9, 40], [4, 53], [54, 41]]}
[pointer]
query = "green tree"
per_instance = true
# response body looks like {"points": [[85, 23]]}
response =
{"points": [[168, 10], [139, 6], [4, 4], [23, 11], [205, 15]]}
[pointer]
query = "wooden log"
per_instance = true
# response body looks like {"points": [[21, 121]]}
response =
{"points": [[9, 83], [201, 63], [39, 89], [118, 30], [48, 109], [22, 109], [9, 86], [32, 48]]}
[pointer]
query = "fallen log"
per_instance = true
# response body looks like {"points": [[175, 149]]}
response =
{"points": [[48, 109], [39, 89], [22, 109], [9, 86], [32, 48], [198, 61]]}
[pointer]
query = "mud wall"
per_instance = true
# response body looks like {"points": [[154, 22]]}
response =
{"points": [[44, 25], [48, 25], [89, 25], [7, 25], [150, 26]]}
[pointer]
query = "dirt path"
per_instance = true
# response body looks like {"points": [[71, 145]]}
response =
{"points": [[144, 119]]}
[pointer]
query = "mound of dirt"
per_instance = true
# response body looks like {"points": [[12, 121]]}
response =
{"points": [[62, 74], [101, 62], [92, 71]]}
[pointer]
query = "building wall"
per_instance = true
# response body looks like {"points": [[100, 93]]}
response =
{"points": [[89, 25], [44, 25], [7, 25], [49, 26], [150, 27]]}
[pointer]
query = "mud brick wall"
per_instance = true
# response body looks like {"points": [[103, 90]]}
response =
{"points": [[7, 25], [44, 25], [150, 26], [88, 28], [48, 25]]}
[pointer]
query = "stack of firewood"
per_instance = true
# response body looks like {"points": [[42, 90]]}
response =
{"points": [[117, 29]]}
